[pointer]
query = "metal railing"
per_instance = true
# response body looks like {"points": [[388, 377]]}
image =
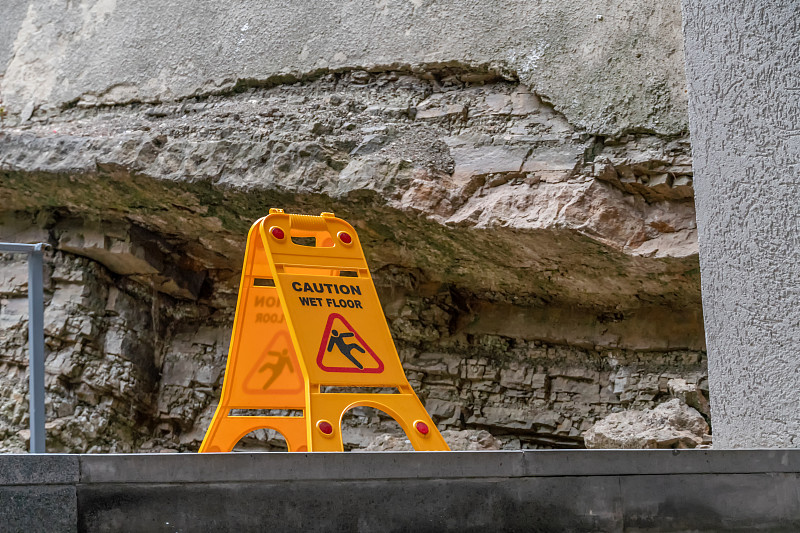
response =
{"points": [[35, 254]]}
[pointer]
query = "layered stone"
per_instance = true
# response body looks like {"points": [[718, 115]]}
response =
{"points": [[531, 231]]}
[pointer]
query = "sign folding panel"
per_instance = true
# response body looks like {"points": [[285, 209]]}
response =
{"points": [[308, 317]]}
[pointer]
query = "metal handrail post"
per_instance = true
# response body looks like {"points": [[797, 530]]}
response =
{"points": [[35, 254], [36, 347]]}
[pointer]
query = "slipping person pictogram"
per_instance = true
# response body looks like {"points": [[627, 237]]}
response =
{"points": [[275, 371], [338, 341], [276, 366], [342, 349]]}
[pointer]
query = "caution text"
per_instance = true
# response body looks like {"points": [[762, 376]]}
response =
{"points": [[327, 288]]}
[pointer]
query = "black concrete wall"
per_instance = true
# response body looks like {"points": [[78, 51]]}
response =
{"points": [[630, 490]]}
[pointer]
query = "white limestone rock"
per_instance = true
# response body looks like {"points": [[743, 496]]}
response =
{"points": [[670, 425], [690, 394]]}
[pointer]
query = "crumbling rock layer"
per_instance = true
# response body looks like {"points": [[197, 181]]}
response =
{"points": [[535, 276], [609, 67]]}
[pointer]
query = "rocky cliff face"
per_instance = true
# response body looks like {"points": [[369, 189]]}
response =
{"points": [[536, 258]]}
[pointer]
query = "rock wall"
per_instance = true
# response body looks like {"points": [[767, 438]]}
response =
{"points": [[528, 216], [130, 368]]}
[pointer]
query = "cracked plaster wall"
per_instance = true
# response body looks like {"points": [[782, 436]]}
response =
{"points": [[593, 60]]}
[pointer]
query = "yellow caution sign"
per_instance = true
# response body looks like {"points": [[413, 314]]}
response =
{"points": [[309, 317]]}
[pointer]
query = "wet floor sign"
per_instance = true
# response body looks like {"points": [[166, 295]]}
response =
{"points": [[308, 319]]}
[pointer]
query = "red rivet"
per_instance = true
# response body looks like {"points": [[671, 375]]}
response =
{"points": [[345, 237], [277, 232], [325, 427], [422, 427]]}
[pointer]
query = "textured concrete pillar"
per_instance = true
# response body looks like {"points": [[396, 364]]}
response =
{"points": [[743, 71]]}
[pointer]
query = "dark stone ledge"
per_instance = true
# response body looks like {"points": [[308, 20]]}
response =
{"points": [[608, 490]]}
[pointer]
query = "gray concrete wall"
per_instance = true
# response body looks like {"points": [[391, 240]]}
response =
{"points": [[608, 66], [614, 490], [743, 70]]}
